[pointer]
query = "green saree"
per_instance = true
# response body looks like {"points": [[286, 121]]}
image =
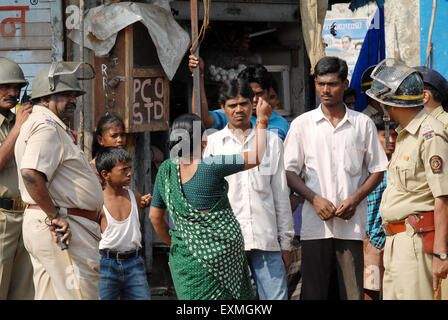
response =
{"points": [[207, 259]]}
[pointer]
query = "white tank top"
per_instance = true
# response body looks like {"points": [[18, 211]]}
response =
{"points": [[122, 235]]}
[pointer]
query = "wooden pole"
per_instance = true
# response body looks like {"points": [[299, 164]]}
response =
{"points": [[429, 46], [196, 107], [77, 285], [81, 58]]}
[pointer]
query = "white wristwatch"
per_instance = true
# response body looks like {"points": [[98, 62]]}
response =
{"points": [[441, 256]]}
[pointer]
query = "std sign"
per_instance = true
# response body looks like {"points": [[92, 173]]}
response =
{"points": [[149, 105]]}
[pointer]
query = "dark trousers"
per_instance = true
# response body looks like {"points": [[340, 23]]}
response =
{"points": [[326, 261]]}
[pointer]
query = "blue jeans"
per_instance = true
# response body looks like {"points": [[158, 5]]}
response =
{"points": [[123, 278], [269, 274]]}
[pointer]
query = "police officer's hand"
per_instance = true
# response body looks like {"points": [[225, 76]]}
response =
{"points": [[59, 224], [439, 271], [325, 209], [193, 62], [22, 114]]}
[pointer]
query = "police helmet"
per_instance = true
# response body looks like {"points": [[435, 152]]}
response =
{"points": [[396, 84]]}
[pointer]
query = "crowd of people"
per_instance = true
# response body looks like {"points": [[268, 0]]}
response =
{"points": [[363, 195]]}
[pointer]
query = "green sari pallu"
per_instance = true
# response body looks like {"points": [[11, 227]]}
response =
{"points": [[207, 259]]}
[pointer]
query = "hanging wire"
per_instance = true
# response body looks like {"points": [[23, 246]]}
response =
{"points": [[205, 23]]}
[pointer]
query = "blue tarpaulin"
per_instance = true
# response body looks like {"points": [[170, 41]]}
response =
{"points": [[373, 51]]}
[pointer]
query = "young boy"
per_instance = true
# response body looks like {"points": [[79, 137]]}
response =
{"points": [[373, 245], [122, 270]]}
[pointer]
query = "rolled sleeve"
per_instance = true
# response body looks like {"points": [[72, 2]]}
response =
{"points": [[43, 151], [435, 152]]}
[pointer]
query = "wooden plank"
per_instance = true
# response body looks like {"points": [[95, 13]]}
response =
{"points": [[106, 97], [30, 43], [236, 11], [31, 15], [41, 4], [28, 56], [29, 29], [196, 105], [129, 45], [147, 73], [150, 104]]}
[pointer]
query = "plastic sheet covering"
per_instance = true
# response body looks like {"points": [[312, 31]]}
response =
{"points": [[313, 14], [102, 24]]}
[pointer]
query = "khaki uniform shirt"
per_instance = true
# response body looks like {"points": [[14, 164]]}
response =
{"points": [[417, 172], [440, 115], [45, 144], [369, 110], [9, 187]]}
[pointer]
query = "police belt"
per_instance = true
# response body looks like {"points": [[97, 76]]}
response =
{"points": [[12, 204], [423, 225], [91, 215]]}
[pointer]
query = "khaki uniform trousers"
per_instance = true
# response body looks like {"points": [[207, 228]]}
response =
{"points": [[53, 278], [408, 270], [16, 271]]}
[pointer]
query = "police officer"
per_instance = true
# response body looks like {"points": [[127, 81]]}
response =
{"points": [[15, 266], [61, 190], [435, 93], [414, 206]]}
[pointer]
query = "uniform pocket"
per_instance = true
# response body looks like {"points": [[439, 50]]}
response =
{"points": [[405, 173]]}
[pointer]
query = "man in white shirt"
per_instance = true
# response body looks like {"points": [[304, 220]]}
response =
{"points": [[334, 149], [259, 196]]}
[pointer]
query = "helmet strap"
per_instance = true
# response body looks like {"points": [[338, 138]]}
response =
{"points": [[386, 119]]}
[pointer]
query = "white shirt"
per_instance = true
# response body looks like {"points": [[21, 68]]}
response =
{"points": [[259, 196], [334, 163]]}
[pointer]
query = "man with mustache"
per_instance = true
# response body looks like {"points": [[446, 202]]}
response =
{"points": [[329, 152], [16, 272], [62, 192], [260, 81], [259, 196]]}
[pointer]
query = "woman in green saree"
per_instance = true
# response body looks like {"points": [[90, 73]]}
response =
{"points": [[207, 258]]}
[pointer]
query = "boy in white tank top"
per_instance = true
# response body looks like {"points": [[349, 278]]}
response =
{"points": [[122, 269]]}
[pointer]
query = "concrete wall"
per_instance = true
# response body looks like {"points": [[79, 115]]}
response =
{"points": [[402, 29]]}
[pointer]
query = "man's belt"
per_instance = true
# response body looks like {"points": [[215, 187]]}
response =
{"points": [[422, 223], [91, 215], [393, 228], [117, 255], [12, 204]]}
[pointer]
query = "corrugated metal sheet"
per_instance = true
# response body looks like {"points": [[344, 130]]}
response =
{"points": [[31, 34]]}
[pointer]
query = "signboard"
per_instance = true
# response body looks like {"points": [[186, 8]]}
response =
{"points": [[140, 96], [31, 34], [344, 38], [149, 100]]}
